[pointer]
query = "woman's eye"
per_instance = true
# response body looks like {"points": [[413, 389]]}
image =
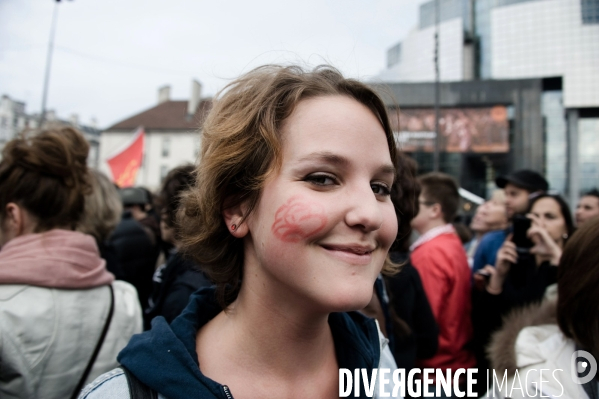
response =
{"points": [[380, 189], [321, 179]]}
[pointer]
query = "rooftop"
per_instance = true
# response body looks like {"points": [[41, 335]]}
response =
{"points": [[168, 115]]}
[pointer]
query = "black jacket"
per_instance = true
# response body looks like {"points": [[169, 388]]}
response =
{"points": [[174, 282], [525, 284], [417, 336], [136, 255]]}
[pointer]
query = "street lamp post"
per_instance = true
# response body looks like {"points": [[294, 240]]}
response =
{"points": [[49, 63], [437, 89]]}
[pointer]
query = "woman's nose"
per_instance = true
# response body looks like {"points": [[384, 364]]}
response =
{"points": [[364, 210]]}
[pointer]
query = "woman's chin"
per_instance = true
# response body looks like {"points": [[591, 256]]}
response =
{"points": [[351, 301]]}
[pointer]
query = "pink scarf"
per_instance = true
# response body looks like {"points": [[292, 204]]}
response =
{"points": [[54, 259]]}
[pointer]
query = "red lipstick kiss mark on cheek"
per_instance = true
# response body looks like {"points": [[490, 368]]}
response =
{"points": [[297, 220]]}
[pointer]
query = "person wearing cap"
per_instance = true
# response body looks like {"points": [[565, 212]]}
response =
{"points": [[519, 187], [135, 200], [138, 201], [135, 244]]}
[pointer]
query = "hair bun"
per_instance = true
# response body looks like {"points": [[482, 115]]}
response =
{"points": [[47, 174], [58, 153]]}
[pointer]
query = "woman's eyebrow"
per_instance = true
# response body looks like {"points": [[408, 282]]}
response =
{"points": [[388, 170], [332, 158], [325, 156]]}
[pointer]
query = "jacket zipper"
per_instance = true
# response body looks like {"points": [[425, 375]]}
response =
{"points": [[227, 392]]}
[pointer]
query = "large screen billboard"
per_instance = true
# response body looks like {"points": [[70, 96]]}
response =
{"points": [[461, 129]]}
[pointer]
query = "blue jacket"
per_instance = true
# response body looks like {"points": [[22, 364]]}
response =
{"points": [[165, 357], [486, 253]]}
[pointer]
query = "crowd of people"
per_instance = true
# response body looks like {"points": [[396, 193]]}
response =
{"points": [[302, 242]]}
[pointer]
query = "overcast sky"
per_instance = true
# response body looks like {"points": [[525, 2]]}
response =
{"points": [[111, 56]]}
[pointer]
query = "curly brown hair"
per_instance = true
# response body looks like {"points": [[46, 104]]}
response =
{"points": [[175, 183], [577, 281], [404, 196], [47, 175], [241, 148]]}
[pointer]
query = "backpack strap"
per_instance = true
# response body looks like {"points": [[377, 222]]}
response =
{"points": [[137, 389], [96, 351]]}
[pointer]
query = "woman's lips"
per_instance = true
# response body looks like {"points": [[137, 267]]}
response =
{"points": [[355, 254]]}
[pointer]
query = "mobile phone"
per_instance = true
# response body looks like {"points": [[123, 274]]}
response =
{"points": [[521, 226], [485, 274]]}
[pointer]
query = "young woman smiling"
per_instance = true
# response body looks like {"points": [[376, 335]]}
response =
{"points": [[291, 217]]}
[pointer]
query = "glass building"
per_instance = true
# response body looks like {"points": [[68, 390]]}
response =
{"points": [[493, 40]]}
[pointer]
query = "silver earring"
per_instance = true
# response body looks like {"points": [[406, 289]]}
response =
{"points": [[565, 236]]}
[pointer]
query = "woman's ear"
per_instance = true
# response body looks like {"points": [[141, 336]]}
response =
{"points": [[234, 218], [14, 221]]}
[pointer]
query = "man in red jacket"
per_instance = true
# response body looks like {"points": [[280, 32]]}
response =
{"points": [[441, 261]]}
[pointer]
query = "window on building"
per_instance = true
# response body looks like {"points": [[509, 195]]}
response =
{"points": [[590, 11], [588, 153], [394, 55], [555, 136], [166, 146], [448, 9], [163, 172]]}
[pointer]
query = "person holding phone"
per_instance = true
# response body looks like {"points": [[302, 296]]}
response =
{"points": [[523, 270], [519, 187], [546, 335], [528, 258]]}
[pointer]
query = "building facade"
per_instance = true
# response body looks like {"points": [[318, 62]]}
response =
{"points": [[556, 41], [481, 126], [14, 120], [172, 136]]}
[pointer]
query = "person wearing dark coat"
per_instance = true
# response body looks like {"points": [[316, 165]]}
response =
{"points": [[136, 254], [520, 276], [178, 278], [174, 282], [417, 336], [414, 334]]}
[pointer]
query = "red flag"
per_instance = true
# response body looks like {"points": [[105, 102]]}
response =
{"points": [[125, 165]]}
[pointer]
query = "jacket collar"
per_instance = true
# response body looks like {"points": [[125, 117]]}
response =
{"points": [[431, 234], [501, 350], [173, 349]]}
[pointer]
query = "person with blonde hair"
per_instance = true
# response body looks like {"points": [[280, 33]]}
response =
{"points": [[489, 216], [103, 209], [63, 318], [291, 217]]}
